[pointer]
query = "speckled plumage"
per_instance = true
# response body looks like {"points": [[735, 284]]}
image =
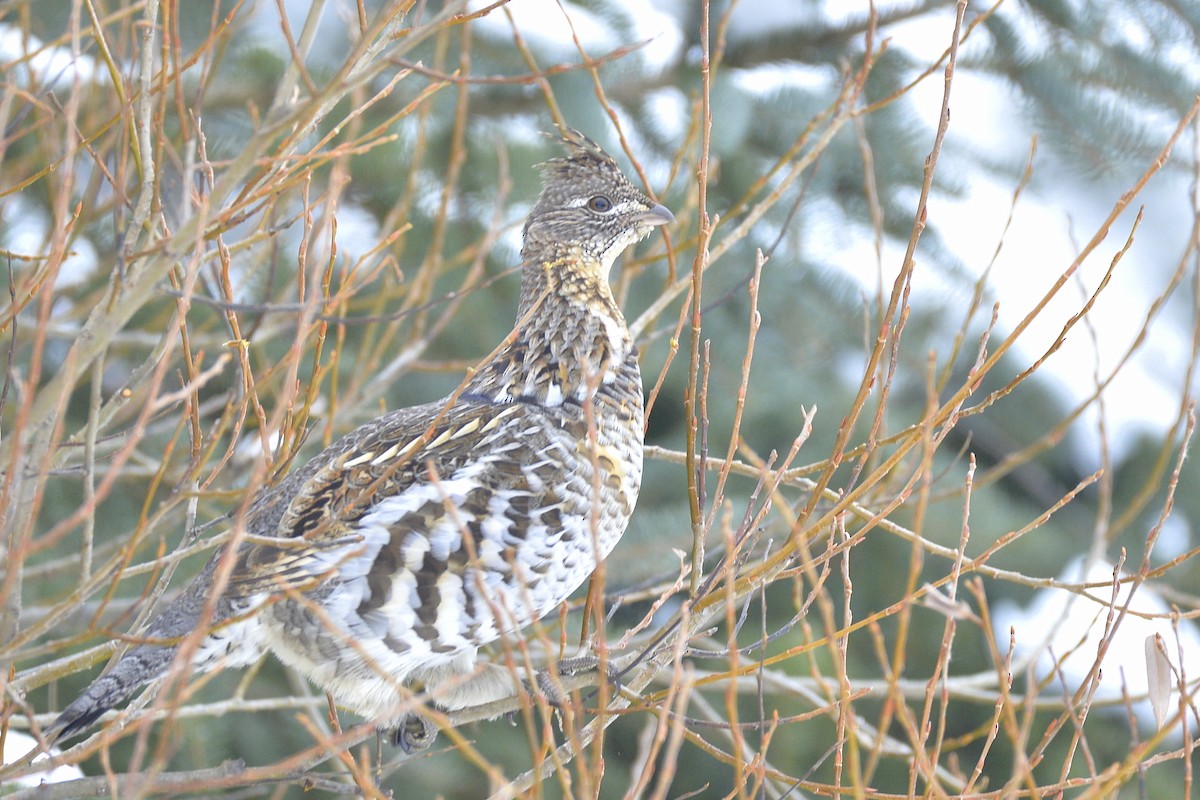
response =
{"points": [[424, 534]]}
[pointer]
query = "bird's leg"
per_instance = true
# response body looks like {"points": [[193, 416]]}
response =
{"points": [[414, 731], [451, 689], [479, 684]]}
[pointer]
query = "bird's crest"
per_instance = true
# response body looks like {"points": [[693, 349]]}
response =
{"points": [[581, 151]]}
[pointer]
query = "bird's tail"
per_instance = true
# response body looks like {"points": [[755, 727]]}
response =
{"points": [[232, 640], [138, 667]]}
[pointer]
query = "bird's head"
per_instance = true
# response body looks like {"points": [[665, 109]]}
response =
{"points": [[587, 202]]}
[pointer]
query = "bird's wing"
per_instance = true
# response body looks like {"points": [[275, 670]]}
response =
{"points": [[425, 469]]}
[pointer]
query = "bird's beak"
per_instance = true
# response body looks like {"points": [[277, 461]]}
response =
{"points": [[658, 215]]}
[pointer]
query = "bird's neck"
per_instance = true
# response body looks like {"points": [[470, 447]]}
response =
{"points": [[570, 338]]}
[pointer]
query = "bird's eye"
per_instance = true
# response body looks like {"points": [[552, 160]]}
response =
{"points": [[600, 204]]}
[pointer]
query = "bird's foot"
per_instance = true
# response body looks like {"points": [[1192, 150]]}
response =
{"points": [[550, 685], [416, 732]]}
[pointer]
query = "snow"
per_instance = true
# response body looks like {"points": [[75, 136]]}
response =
{"points": [[17, 744], [1057, 209], [26, 233], [1060, 624], [48, 66], [546, 28]]}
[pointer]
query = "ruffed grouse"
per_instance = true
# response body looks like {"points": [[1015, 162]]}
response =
{"points": [[419, 537]]}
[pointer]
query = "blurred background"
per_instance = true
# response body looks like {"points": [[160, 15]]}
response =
{"points": [[337, 190]]}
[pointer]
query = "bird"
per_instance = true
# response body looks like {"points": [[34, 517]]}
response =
{"points": [[381, 566]]}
